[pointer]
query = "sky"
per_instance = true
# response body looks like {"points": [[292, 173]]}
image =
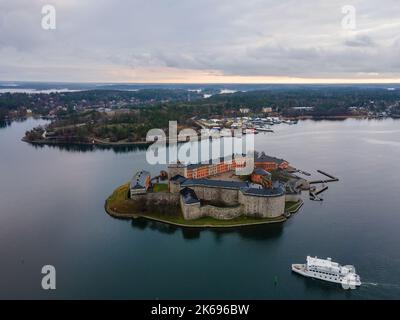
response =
{"points": [[201, 41]]}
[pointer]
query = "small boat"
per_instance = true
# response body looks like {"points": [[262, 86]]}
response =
{"points": [[264, 129], [276, 120], [327, 270], [290, 122], [250, 131]]}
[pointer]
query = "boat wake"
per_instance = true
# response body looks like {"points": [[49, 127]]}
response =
{"points": [[375, 284]]}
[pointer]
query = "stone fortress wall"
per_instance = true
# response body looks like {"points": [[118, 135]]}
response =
{"points": [[263, 207], [226, 196], [238, 203], [196, 211], [157, 197]]}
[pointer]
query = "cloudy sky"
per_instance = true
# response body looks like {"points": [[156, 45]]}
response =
{"points": [[242, 41]]}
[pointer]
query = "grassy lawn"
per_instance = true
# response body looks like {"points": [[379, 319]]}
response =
{"points": [[160, 187], [119, 194], [119, 203], [291, 206]]}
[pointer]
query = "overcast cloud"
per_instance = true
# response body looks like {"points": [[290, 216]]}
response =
{"points": [[199, 40]]}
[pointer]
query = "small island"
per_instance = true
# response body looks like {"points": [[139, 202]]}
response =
{"points": [[211, 194]]}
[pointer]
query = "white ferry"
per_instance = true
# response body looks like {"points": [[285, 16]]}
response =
{"points": [[328, 270]]}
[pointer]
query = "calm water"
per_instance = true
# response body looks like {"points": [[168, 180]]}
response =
{"points": [[51, 212]]}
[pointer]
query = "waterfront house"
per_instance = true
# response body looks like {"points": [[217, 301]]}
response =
{"points": [[269, 163], [262, 177], [140, 183]]}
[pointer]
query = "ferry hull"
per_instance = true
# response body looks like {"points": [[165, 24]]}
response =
{"points": [[301, 269]]}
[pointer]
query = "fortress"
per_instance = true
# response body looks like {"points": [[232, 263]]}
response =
{"points": [[203, 190], [234, 199]]}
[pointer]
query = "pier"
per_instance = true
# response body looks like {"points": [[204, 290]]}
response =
{"points": [[320, 191], [314, 192], [331, 178]]}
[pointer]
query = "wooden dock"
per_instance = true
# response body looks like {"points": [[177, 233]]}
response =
{"points": [[314, 194], [331, 178], [321, 190]]}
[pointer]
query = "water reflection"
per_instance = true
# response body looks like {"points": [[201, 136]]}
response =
{"points": [[325, 119], [143, 224], [4, 123], [81, 148], [191, 233], [256, 232]]}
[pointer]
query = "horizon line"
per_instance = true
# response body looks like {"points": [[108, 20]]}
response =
{"points": [[207, 83]]}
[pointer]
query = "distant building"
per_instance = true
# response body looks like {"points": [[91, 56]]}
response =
{"points": [[204, 170], [216, 120], [244, 110], [175, 183], [211, 168], [267, 110], [303, 108], [262, 177], [140, 183], [270, 163]]}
